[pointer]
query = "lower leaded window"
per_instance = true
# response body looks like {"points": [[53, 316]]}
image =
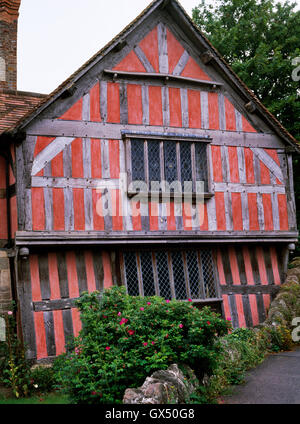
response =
{"points": [[174, 274]]}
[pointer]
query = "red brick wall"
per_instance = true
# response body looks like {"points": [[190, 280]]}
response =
{"points": [[8, 43]]}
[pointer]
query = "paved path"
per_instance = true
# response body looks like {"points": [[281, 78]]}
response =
{"points": [[275, 381]]}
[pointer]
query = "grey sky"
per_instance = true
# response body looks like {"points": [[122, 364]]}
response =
{"points": [[56, 37]]}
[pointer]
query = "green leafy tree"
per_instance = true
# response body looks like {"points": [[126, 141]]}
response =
{"points": [[260, 39]]}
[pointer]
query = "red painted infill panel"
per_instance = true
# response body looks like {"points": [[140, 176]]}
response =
{"points": [[250, 176], [117, 218], [96, 158], [262, 266], [203, 218], [226, 306], [59, 332], [149, 45], [58, 209], [136, 216], [38, 209], [41, 143], [237, 215], [113, 103], [268, 215], [229, 115], [194, 109], [264, 174], [153, 218], [187, 216], [240, 310], [40, 335], [35, 278], [220, 211], [247, 127], [77, 158], [222, 278], [175, 107], [108, 281], [213, 111], [76, 321], [95, 103], [217, 163], [57, 165], [248, 266], [98, 218], [234, 266], [53, 276], [114, 158], [171, 221], [72, 274], [155, 106], [135, 108], [193, 70], [253, 212], [253, 308], [283, 212], [274, 261], [90, 273], [130, 63], [175, 51], [233, 164], [79, 215], [74, 113]]}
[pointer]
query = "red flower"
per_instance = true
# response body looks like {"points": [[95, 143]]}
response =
{"points": [[142, 309], [130, 332], [94, 393], [190, 300], [145, 344], [148, 303], [180, 325], [208, 322], [107, 348], [123, 321], [167, 301]]}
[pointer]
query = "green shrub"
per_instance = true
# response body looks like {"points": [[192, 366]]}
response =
{"points": [[14, 368], [124, 339], [43, 379]]}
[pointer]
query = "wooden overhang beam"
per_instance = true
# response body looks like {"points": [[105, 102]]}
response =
{"points": [[64, 238], [161, 77]]}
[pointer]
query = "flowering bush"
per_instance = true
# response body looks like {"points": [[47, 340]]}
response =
{"points": [[124, 339], [14, 368]]}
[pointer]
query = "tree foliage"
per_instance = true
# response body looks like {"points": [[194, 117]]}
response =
{"points": [[260, 39]]}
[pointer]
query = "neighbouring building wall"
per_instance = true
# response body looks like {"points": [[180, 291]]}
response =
{"points": [[9, 12], [5, 282]]}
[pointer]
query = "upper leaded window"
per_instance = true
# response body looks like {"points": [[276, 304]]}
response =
{"points": [[168, 160]]}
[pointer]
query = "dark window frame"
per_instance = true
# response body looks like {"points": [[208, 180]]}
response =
{"points": [[168, 258], [146, 138]]}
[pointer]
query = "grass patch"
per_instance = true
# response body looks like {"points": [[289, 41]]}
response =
{"points": [[54, 398]]}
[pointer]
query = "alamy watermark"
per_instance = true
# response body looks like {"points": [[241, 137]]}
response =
{"points": [[143, 200], [296, 71], [296, 331]]}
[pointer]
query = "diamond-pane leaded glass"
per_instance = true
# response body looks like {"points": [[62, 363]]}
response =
{"points": [[147, 274], [131, 273], [186, 162], [163, 275], [137, 160], [208, 274], [170, 158], [154, 160], [194, 276], [201, 163], [178, 275]]}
